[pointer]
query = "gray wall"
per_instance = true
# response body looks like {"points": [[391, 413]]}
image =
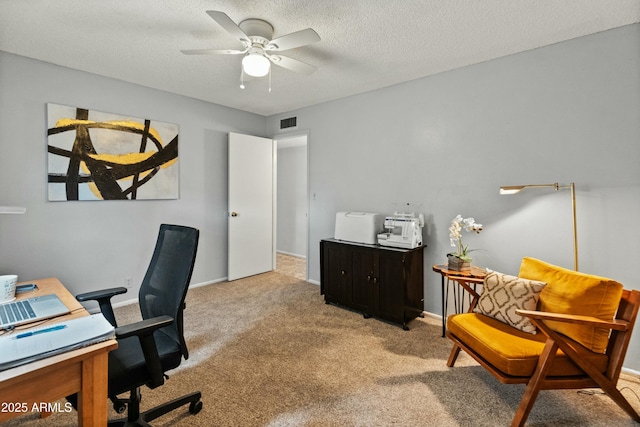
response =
{"points": [[91, 245], [292, 201], [566, 112]]}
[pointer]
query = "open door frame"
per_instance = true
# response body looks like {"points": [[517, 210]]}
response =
{"points": [[278, 138]]}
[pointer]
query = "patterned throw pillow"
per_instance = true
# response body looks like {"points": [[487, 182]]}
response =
{"points": [[502, 295]]}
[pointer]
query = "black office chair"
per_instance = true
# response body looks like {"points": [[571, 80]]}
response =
{"points": [[149, 348]]}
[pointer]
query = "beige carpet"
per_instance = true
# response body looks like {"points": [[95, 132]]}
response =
{"points": [[267, 351], [290, 265]]}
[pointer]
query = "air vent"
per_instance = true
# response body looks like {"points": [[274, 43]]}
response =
{"points": [[291, 122]]}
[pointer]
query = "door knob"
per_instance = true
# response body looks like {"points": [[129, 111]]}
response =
{"points": [[234, 213]]}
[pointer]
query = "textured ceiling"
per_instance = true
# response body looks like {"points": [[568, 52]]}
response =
{"points": [[366, 44]]}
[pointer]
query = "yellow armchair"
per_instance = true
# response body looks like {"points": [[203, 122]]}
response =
{"points": [[550, 359]]}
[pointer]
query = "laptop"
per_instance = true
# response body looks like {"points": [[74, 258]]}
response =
{"points": [[31, 310]]}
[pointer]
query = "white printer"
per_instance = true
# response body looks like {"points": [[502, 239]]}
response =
{"points": [[359, 227]]}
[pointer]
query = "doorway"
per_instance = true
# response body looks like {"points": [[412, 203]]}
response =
{"points": [[292, 203]]}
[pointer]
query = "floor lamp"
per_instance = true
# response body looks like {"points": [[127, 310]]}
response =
{"points": [[513, 189]]}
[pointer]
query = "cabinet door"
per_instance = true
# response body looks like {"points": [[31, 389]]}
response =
{"points": [[391, 284], [364, 277], [414, 284], [337, 273]]}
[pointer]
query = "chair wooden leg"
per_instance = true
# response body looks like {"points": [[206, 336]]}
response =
{"points": [[455, 351], [535, 383], [608, 385], [622, 402]]}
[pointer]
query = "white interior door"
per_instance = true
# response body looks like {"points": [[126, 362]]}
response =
{"points": [[251, 206]]}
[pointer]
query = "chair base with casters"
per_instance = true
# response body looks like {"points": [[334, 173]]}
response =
{"points": [[135, 418], [149, 348]]}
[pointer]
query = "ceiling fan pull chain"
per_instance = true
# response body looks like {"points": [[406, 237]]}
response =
{"points": [[269, 79], [241, 78]]}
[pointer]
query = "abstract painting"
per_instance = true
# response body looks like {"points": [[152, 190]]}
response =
{"points": [[101, 156]]}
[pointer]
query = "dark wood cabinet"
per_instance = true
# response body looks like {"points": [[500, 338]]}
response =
{"points": [[379, 281]]}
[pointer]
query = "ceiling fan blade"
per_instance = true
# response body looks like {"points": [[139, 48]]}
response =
{"points": [[227, 23], [293, 40], [292, 64], [212, 51]]}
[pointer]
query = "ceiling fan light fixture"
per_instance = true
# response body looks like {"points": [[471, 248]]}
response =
{"points": [[256, 65], [256, 35]]}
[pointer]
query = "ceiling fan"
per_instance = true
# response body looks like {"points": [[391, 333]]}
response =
{"points": [[260, 49]]}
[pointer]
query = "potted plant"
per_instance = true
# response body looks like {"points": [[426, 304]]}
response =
{"points": [[460, 260]]}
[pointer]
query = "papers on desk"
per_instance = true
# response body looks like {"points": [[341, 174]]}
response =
{"points": [[26, 346]]}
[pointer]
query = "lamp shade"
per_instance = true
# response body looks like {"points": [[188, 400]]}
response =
{"points": [[511, 189], [256, 65]]}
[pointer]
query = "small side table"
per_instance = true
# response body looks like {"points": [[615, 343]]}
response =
{"points": [[461, 281]]}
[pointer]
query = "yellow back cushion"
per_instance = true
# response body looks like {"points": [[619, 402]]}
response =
{"points": [[572, 292]]}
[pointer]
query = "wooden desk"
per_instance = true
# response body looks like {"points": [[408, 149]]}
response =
{"points": [[463, 280], [83, 371]]}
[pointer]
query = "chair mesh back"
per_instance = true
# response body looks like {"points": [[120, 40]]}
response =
{"points": [[165, 284]]}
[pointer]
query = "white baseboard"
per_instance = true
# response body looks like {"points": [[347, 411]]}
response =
{"points": [[631, 372], [432, 315], [210, 282], [292, 254], [126, 302]]}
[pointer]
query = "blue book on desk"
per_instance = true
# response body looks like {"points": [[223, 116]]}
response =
{"points": [[25, 346]]}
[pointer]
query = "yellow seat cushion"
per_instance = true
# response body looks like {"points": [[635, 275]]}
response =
{"points": [[510, 350], [572, 292]]}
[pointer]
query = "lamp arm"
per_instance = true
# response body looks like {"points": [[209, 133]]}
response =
{"points": [[512, 189]]}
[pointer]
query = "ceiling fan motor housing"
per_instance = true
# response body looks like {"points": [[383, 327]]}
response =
{"points": [[258, 30]]}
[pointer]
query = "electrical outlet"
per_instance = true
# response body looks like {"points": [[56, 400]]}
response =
{"points": [[127, 282]]}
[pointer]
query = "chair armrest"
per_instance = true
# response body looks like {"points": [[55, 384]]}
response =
{"points": [[615, 324], [103, 297], [144, 330], [143, 327], [102, 293]]}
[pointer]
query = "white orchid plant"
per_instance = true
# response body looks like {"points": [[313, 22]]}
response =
{"points": [[455, 235]]}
